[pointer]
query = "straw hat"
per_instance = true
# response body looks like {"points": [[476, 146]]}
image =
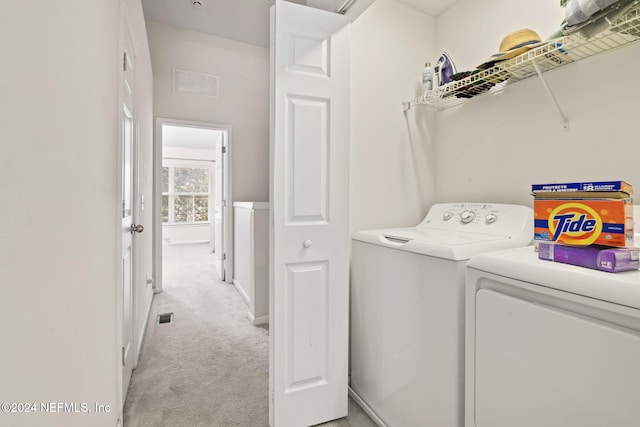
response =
{"points": [[513, 45]]}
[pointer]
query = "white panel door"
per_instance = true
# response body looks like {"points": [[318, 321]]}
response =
{"points": [[310, 228], [127, 142]]}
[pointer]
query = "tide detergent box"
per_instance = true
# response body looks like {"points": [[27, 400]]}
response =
{"points": [[607, 222]]}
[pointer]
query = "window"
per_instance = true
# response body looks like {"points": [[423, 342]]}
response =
{"points": [[185, 194]]}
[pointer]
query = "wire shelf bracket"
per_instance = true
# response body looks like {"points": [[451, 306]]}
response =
{"points": [[565, 121]]}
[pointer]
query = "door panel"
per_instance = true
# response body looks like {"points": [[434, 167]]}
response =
{"points": [[307, 161], [306, 345], [310, 229]]}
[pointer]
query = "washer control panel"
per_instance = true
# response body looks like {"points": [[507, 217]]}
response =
{"points": [[479, 217], [468, 213]]}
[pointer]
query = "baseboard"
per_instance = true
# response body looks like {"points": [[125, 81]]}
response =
{"points": [[361, 403], [143, 333], [241, 291], [258, 320]]}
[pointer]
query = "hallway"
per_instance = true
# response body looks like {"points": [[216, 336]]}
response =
{"points": [[210, 366]]}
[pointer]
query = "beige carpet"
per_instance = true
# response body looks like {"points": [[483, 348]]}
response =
{"points": [[210, 366]]}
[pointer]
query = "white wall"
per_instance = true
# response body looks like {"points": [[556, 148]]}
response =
{"points": [[186, 234], [59, 224], [495, 146], [392, 154], [243, 103]]}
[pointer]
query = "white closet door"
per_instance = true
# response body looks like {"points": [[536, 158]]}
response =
{"points": [[310, 228]]}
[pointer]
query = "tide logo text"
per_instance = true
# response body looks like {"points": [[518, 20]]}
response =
{"points": [[567, 224], [574, 224]]}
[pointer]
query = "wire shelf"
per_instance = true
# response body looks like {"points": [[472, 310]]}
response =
{"points": [[553, 54]]}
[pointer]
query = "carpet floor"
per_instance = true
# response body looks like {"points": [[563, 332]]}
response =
{"points": [[209, 367]]}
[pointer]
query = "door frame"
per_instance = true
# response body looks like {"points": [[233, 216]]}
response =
{"points": [[227, 217]]}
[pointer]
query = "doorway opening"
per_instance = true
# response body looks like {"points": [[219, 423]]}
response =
{"points": [[192, 185]]}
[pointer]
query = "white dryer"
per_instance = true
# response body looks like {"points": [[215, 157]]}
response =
{"points": [[407, 310], [550, 344]]}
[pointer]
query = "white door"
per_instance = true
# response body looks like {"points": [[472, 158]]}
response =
{"points": [[219, 207], [309, 284], [127, 140]]}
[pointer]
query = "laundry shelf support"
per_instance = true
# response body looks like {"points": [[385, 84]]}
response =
{"points": [[565, 121], [407, 105]]}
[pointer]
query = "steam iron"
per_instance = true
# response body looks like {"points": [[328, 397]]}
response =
{"points": [[445, 69]]}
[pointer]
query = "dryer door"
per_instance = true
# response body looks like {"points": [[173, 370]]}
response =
{"points": [[542, 366]]}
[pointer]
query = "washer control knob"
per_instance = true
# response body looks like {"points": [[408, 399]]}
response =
{"points": [[447, 215], [490, 218], [467, 216]]}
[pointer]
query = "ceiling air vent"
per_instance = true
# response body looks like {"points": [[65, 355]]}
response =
{"points": [[195, 83]]}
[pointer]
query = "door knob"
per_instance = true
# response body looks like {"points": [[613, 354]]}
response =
{"points": [[136, 228], [307, 243]]}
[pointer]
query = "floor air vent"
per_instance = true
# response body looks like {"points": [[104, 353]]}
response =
{"points": [[165, 318]]}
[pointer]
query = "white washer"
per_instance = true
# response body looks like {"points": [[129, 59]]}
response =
{"points": [[407, 310], [550, 344]]}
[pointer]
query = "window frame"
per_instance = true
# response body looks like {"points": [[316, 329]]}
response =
{"points": [[172, 164]]}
